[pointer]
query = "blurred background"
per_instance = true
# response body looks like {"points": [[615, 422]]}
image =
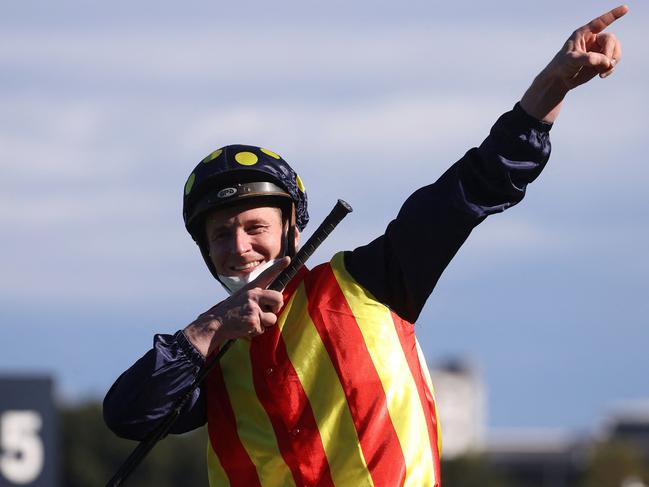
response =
{"points": [[538, 327]]}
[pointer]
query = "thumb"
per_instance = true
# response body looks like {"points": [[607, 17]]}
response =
{"points": [[269, 275]]}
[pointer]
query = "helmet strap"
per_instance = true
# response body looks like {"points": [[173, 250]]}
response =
{"points": [[290, 235]]}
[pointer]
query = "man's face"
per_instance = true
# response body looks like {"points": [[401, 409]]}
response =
{"points": [[243, 237]]}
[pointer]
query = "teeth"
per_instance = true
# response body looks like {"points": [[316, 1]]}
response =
{"points": [[247, 266]]}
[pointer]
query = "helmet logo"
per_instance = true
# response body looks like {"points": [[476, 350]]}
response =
{"points": [[226, 192]]}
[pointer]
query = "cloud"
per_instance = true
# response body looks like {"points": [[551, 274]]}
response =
{"points": [[107, 108]]}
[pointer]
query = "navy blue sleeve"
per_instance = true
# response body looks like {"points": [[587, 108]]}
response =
{"points": [[147, 392], [401, 267]]}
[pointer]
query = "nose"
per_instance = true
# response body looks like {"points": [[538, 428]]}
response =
{"points": [[240, 242]]}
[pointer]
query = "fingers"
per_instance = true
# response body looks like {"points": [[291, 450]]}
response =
{"points": [[606, 43], [252, 309], [597, 25], [270, 300], [612, 49], [262, 308], [617, 52], [265, 315], [245, 314], [269, 275], [267, 320], [595, 60]]}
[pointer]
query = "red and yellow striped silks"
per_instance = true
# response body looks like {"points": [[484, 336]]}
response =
{"points": [[338, 394]]}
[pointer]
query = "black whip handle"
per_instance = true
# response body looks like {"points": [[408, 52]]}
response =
{"points": [[340, 211]]}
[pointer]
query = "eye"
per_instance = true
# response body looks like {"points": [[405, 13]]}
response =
{"points": [[256, 229]]}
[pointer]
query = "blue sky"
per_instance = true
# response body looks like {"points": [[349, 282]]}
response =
{"points": [[106, 109]]}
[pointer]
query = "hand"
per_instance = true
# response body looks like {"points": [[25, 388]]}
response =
{"points": [[245, 314], [587, 53]]}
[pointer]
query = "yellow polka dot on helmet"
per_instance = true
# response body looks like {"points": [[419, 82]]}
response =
{"points": [[189, 183], [269, 153], [300, 184], [213, 155], [246, 158]]}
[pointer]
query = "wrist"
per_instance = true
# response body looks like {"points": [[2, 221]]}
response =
{"points": [[188, 347], [202, 336], [543, 98]]}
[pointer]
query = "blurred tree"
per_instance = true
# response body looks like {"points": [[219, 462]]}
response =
{"points": [[471, 471], [616, 464], [91, 454]]}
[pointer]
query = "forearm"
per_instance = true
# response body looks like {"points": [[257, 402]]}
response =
{"points": [[147, 391], [544, 97]]}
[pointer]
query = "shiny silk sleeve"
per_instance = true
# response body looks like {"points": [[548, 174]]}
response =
{"points": [[487, 180], [147, 391], [439, 217]]}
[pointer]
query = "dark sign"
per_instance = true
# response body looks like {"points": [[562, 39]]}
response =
{"points": [[27, 432]]}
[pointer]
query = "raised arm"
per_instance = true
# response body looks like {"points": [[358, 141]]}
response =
{"points": [[588, 52], [402, 266]]}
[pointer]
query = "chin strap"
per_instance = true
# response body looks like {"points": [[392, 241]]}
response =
{"points": [[290, 235]]}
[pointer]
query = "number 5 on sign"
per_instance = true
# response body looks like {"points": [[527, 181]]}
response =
{"points": [[21, 448]]}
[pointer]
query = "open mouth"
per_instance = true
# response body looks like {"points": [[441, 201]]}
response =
{"points": [[247, 267]]}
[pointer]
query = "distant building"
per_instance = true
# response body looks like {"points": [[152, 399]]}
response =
{"points": [[629, 422], [557, 458], [538, 457], [528, 457]]}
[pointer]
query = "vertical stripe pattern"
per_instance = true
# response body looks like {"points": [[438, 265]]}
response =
{"points": [[423, 386], [283, 396], [344, 342], [222, 427], [335, 395], [399, 372], [258, 439], [325, 393]]}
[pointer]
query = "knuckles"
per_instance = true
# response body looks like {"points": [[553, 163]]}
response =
{"points": [[245, 314]]}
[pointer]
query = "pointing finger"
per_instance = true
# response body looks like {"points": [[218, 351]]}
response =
{"points": [[597, 25]]}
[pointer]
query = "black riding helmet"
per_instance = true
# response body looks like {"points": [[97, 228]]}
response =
{"points": [[236, 172]]}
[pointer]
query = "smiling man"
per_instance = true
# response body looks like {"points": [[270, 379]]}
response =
{"points": [[244, 206], [326, 384], [243, 239]]}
